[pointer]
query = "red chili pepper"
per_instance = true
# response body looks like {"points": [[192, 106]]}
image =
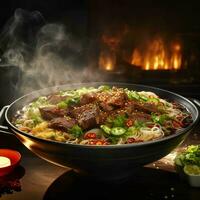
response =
{"points": [[130, 140], [129, 122], [90, 135], [98, 142]]}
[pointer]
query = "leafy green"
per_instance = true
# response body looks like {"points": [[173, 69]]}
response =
{"points": [[119, 121], [41, 101], [72, 101], [113, 139], [62, 105], [131, 131], [191, 156], [76, 131], [160, 119], [133, 95], [34, 115], [104, 87], [139, 124], [37, 120], [68, 102]]}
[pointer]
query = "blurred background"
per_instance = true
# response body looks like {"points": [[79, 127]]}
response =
{"points": [[45, 43]]}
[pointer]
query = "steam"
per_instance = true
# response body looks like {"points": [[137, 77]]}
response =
{"points": [[46, 54]]}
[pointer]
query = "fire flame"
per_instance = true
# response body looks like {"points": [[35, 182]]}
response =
{"points": [[158, 57], [107, 60]]}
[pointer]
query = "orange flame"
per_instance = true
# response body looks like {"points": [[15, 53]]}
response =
{"points": [[158, 57], [107, 60]]}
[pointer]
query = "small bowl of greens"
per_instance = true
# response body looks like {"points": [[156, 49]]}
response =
{"points": [[187, 164]]}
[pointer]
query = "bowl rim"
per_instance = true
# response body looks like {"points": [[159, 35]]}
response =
{"points": [[13, 152], [121, 146]]}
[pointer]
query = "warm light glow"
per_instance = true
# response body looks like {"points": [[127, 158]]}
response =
{"points": [[4, 162], [111, 41], [107, 61], [156, 56], [136, 58], [28, 143]]}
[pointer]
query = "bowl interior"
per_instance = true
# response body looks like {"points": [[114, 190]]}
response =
{"points": [[21, 102]]}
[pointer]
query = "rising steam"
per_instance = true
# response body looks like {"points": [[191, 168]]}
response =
{"points": [[46, 54]]}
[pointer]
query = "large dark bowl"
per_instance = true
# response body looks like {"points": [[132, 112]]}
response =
{"points": [[104, 162]]}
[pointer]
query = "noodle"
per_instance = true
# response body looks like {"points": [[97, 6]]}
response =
{"points": [[102, 116]]}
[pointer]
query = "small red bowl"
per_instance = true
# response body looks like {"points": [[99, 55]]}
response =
{"points": [[14, 157]]}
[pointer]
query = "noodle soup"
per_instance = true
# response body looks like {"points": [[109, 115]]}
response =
{"points": [[102, 116]]}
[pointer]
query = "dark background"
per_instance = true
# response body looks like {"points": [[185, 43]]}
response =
{"points": [[89, 18], [167, 14]]}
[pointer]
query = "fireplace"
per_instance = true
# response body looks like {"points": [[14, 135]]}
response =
{"points": [[147, 42], [151, 42]]}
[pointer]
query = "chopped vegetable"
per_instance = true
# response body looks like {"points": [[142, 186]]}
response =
{"points": [[68, 102], [130, 140], [104, 87], [131, 131], [133, 95], [34, 115], [62, 105], [192, 169], [160, 119], [106, 129], [103, 115], [118, 131], [139, 124], [90, 135], [72, 101], [129, 122], [144, 98], [153, 100], [76, 131], [98, 142], [191, 156], [119, 121]]}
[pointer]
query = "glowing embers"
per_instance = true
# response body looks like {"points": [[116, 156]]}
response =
{"points": [[156, 55]]}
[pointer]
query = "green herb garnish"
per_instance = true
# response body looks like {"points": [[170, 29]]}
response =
{"points": [[104, 87], [76, 131], [160, 119], [191, 156], [118, 121]]}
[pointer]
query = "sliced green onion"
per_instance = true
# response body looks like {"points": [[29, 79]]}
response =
{"points": [[106, 129], [117, 131], [62, 105], [144, 98]]}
